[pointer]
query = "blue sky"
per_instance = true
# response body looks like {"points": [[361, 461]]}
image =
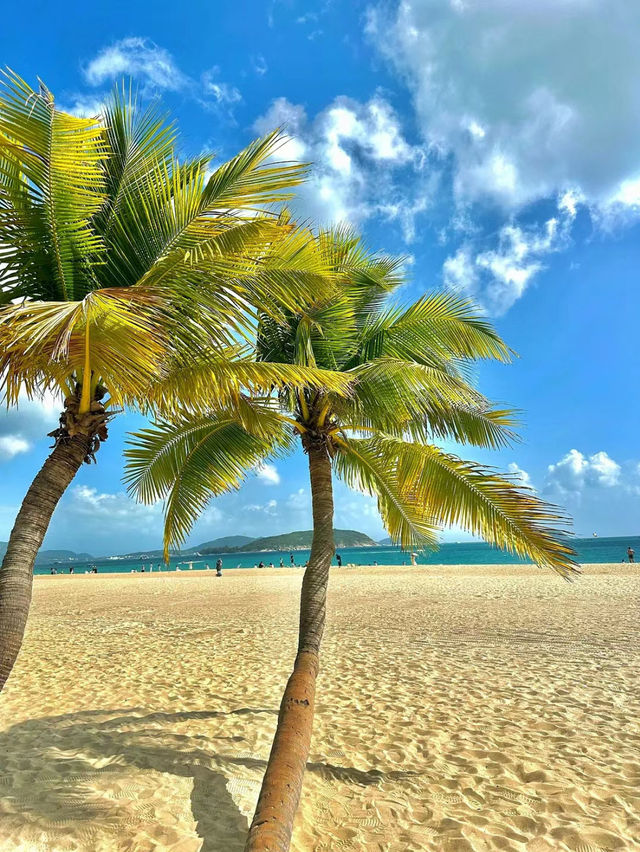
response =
{"points": [[495, 145]]}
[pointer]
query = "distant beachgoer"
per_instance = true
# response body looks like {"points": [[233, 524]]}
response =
{"points": [[631, 554], [206, 567], [71, 570], [261, 564], [53, 571], [271, 565], [281, 562], [414, 558], [292, 557], [375, 563], [339, 560], [219, 568]]}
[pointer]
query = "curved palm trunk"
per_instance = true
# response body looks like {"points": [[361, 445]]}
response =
{"points": [[16, 573], [272, 823]]}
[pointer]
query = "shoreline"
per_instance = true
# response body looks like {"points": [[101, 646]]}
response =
{"points": [[504, 569]]}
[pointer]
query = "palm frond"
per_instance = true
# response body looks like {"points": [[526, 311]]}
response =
{"points": [[52, 184], [480, 500], [43, 344], [365, 468], [190, 461], [440, 325]]}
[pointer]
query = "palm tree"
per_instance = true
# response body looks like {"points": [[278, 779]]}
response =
{"points": [[409, 374], [116, 261]]}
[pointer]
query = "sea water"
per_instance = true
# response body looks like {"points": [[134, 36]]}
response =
{"points": [[462, 553]]}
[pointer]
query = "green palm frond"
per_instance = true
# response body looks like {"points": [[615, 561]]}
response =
{"points": [[51, 185], [115, 334], [365, 468], [218, 378], [190, 461], [480, 500], [402, 397], [437, 325]]}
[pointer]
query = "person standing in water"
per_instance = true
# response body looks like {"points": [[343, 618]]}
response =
{"points": [[631, 554]]}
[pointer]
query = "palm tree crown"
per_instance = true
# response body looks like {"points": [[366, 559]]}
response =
{"points": [[116, 256], [408, 371]]}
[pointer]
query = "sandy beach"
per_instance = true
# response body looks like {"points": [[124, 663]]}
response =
{"points": [[470, 708]]}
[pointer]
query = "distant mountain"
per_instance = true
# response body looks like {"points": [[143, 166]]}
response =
{"points": [[147, 554], [386, 540], [301, 540], [46, 557], [220, 545]]}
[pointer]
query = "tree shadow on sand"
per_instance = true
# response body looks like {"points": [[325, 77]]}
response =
{"points": [[72, 774]]}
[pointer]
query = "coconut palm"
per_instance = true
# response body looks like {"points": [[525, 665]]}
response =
{"points": [[410, 389], [116, 260]]}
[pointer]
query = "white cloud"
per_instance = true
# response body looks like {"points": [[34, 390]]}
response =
{"points": [[12, 445], [155, 69], [268, 473], [118, 509], [223, 93], [136, 57], [499, 276], [360, 157], [22, 425], [520, 475], [260, 65], [527, 98], [268, 508], [575, 472], [84, 106]]}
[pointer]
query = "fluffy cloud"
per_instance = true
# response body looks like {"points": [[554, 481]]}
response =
{"points": [[27, 422], [361, 159], [155, 69], [528, 98], [268, 473], [118, 510], [268, 508], [521, 476], [497, 277], [136, 57], [575, 472], [222, 93]]}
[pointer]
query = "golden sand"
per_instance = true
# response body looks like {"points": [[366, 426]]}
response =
{"points": [[458, 709]]}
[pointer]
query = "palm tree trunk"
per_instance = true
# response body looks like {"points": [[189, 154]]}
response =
{"points": [[272, 823], [16, 573]]}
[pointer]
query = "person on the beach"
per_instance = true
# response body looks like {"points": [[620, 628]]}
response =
{"points": [[339, 560], [71, 569], [219, 568], [292, 557], [261, 564], [631, 554], [53, 571], [281, 562], [414, 557]]}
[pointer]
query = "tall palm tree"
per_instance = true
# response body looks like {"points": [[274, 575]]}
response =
{"points": [[116, 261], [410, 388]]}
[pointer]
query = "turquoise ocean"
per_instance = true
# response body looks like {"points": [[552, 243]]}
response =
{"points": [[463, 553]]}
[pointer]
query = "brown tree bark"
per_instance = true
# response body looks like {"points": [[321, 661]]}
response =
{"points": [[272, 823], [32, 522]]}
